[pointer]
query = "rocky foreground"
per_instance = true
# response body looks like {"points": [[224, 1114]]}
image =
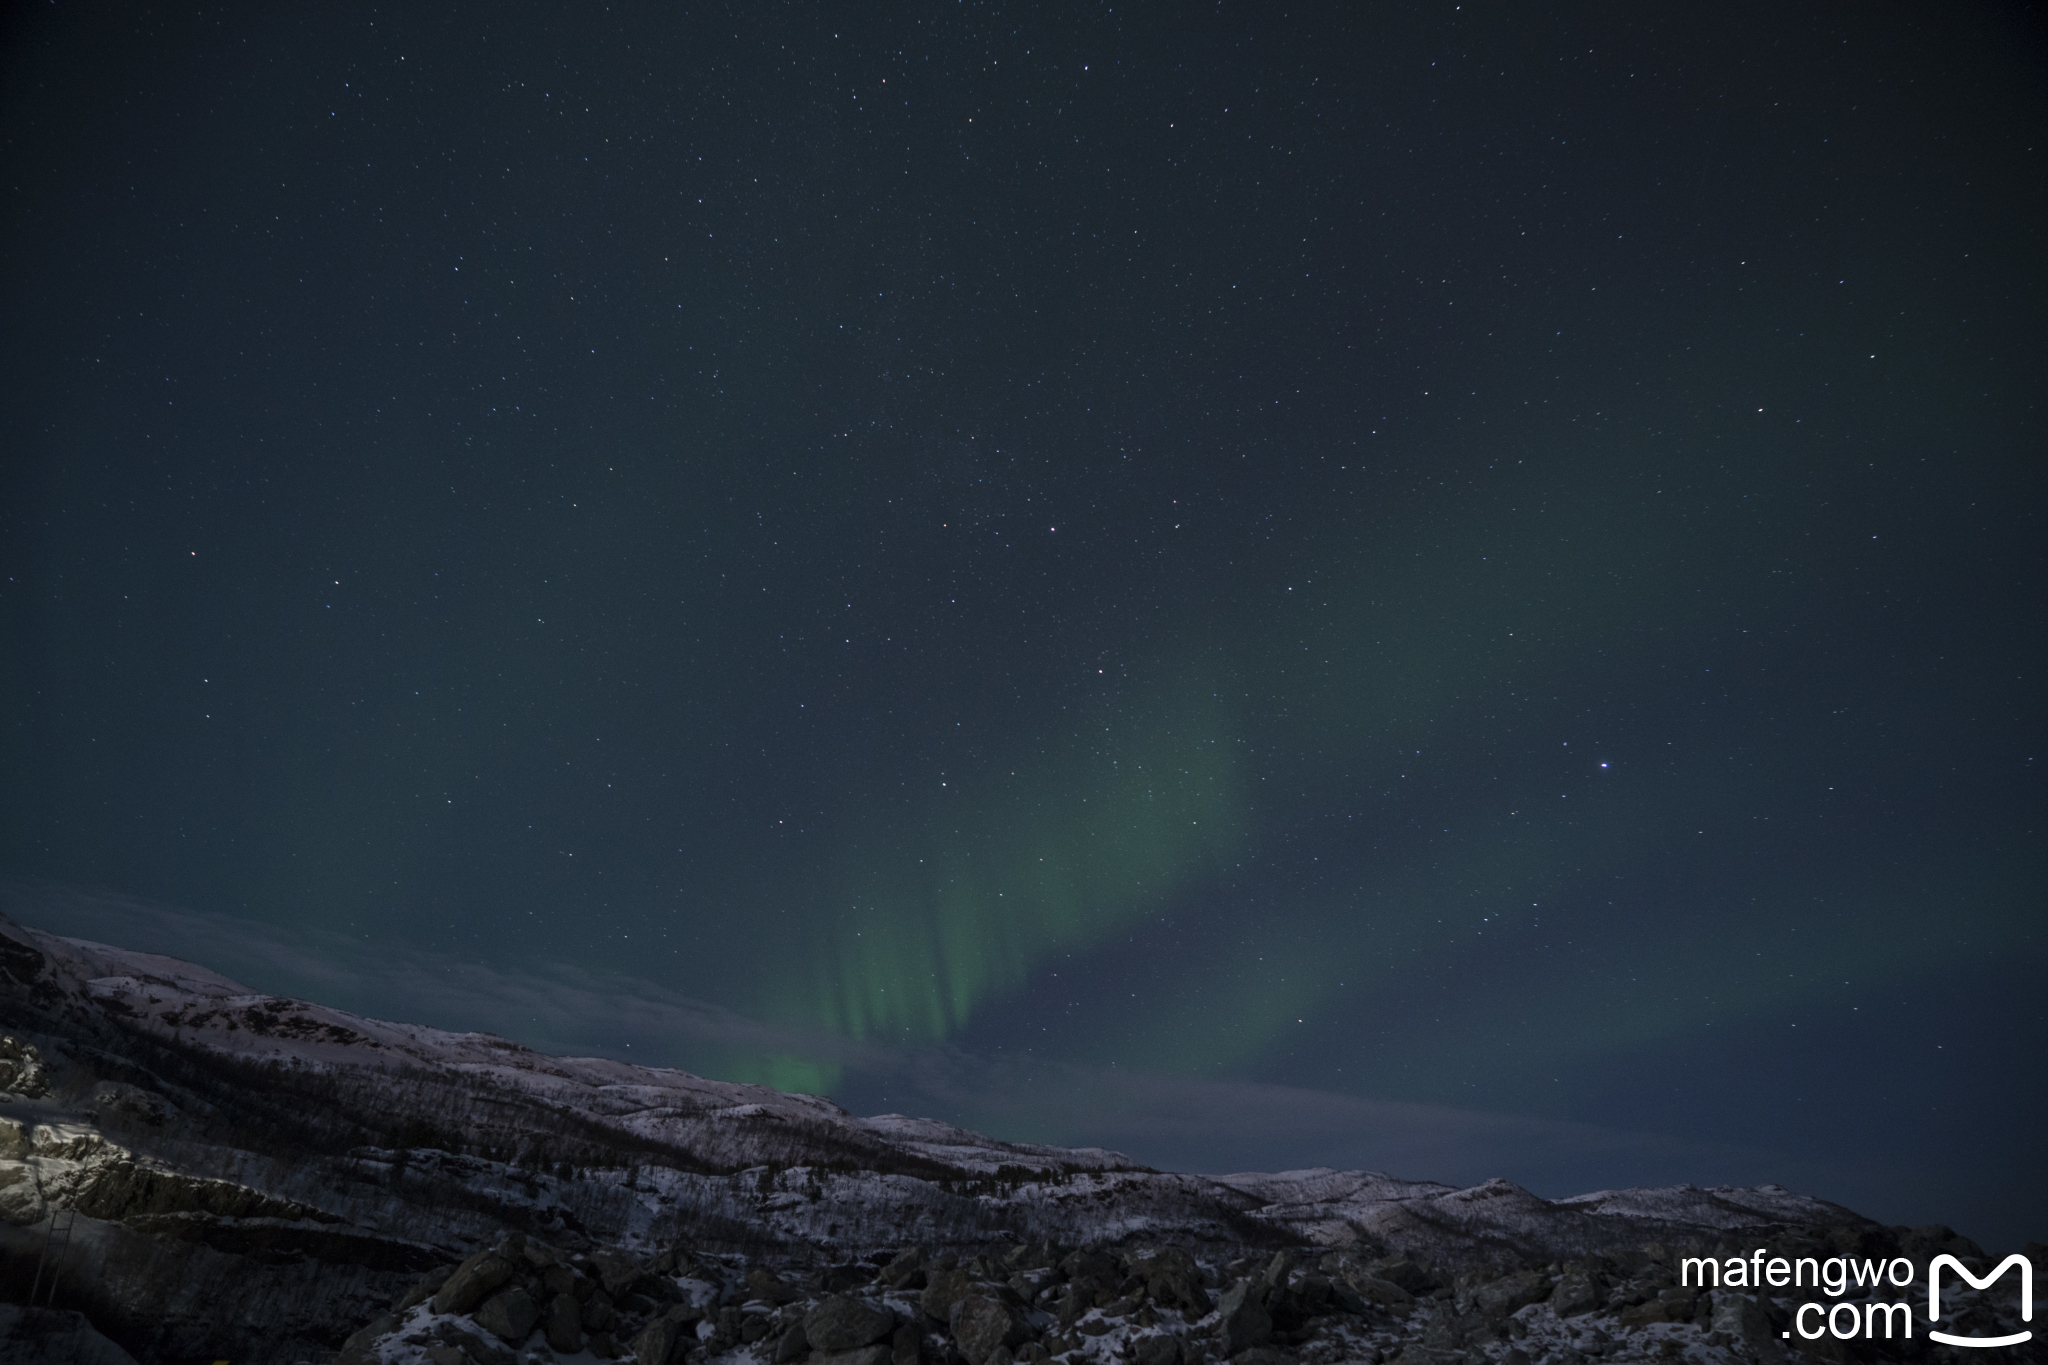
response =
{"points": [[525, 1300], [190, 1170]]}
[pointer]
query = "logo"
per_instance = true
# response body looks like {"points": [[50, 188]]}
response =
{"points": [[1856, 1285], [2026, 1298]]}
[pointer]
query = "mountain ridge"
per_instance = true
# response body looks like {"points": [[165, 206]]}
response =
{"points": [[197, 1134]]}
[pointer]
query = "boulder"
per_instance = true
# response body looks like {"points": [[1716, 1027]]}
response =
{"points": [[844, 1323], [509, 1316], [560, 1279], [981, 1324], [364, 1336], [864, 1355], [21, 1066], [1418, 1354], [617, 1271], [478, 1349], [942, 1290], [563, 1324], [1403, 1270], [1173, 1280], [1091, 1266], [1385, 1293], [661, 1341], [472, 1282], [14, 1143], [1680, 1303], [840, 1278], [1577, 1292], [1743, 1319], [1157, 1350], [1503, 1296], [1280, 1267], [908, 1263], [906, 1345], [770, 1289], [1245, 1322]]}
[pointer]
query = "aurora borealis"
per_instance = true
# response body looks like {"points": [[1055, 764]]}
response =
{"points": [[1431, 588]]}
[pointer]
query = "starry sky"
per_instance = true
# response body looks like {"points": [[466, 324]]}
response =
{"points": [[1444, 588]]}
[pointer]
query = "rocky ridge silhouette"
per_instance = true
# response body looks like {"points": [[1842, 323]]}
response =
{"points": [[193, 1170]]}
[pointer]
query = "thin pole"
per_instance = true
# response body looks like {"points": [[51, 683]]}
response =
{"points": [[57, 1266], [42, 1256]]}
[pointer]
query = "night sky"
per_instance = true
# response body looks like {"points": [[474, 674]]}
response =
{"points": [[1445, 589]]}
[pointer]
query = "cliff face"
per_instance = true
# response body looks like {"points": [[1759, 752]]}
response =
{"points": [[207, 1172]]}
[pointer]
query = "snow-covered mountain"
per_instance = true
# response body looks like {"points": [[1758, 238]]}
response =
{"points": [[210, 1172]]}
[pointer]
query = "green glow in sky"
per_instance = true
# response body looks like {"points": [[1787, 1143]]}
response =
{"points": [[1047, 851]]}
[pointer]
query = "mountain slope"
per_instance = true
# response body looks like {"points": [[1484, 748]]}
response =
{"points": [[215, 1168]]}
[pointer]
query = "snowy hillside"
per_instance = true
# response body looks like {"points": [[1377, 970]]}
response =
{"points": [[227, 1168]]}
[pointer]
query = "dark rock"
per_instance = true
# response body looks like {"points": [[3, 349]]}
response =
{"points": [[561, 1279], [480, 1349], [906, 1345], [1577, 1292], [563, 1324], [661, 1341], [864, 1355], [424, 1288], [1680, 1303], [1261, 1355], [617, 1271], [980, 1324], [792, 1345], [471, 1282], [1173, 1280], [905, 1270], [1504, 1295], [599, 1314], [1159, 1350], [1403, 1271], [943, 1290], [14, 1140], [1744, 1320], [840, 1278], [843, 1323], [365, 1335], [1282, 1266], [21, 1066], [1385, 1293], [1245, 1322], [509, 1316], [1091, 1265], [762, 1285], [1418, 1354]]}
